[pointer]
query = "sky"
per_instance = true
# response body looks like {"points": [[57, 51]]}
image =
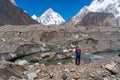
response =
{"points": [[66, 8]]}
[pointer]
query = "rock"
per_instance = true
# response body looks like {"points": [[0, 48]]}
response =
{"points": [[43, 65], [37, 71], [31, 76], [45, 55], [62, 55], [119, 55], [59, 63], [72, 70], [105, 78], [76, 77], [65, 50], [64, 76], [34, 59], [111, 68], [43, 49], [13, 78], [22, 62], [51, 75], [36, 64], [66, 70]]}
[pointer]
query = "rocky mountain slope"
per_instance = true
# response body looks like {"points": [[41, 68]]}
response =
{"points": [[77, 18], [97, 19], [49, 17], [12, 15]]}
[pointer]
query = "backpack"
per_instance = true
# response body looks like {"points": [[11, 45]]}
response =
{"points": [[78, 53]]}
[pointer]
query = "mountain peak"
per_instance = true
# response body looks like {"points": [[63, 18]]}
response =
{"points": [[49, 10], [106, 6], [49, 17]]}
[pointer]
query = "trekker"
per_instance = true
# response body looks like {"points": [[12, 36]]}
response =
{"points": [[78, 55]]}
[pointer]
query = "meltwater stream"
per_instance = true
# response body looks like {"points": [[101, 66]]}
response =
{"points": [[86, 57]]}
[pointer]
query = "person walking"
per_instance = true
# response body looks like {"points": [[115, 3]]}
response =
{"points": [[78, 55]]}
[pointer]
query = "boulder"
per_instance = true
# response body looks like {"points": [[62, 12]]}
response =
{"points": [[59, 63], [62, 55], [76, 77], [31, 76], [51, 75], [72, 69], [22, 62], [111, 68], [65, 50], [45, 55], [64, 76], [34, 59]]}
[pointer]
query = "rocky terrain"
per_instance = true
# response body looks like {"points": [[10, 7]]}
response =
{"points": [[105, 69], [92, 31], [16, 40]]}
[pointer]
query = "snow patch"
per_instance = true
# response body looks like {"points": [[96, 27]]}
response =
{"points": [[13, 2], [34, 17], [107, 6]]}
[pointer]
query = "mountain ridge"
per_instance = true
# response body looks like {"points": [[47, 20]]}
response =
{"points": [[101, 7]]}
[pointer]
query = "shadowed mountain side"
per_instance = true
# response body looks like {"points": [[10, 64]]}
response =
{"points": [[10, 14], [98, 19]]}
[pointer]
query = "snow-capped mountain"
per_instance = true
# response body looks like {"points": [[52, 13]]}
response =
{"points": [[13, 2], [49, 17], [100, 7], [78, 17], [106, 6]]}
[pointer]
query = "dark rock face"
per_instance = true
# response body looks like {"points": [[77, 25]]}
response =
{"points": [[96, 19], [12, 15]]}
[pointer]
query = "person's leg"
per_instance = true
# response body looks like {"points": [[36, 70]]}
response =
{"points": [[76, 60]]}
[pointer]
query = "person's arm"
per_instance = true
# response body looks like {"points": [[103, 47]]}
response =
{"points": [[75, 50]]}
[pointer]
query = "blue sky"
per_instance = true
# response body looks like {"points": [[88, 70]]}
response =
{"points": [[66, 8]]}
